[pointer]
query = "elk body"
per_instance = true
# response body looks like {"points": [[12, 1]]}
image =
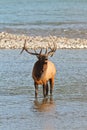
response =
{"points": [[43, 71]]}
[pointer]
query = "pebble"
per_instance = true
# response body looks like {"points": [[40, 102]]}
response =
{"points": [[13, 41]]}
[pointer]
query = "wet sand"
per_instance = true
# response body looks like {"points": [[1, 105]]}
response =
{"points": [[13, 41]]}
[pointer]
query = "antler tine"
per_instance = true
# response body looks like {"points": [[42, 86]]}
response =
{"points": [[53, 39], [40, 51], [52, 50], [55, 46], [46, 50], [35, 50], [24, 47]]}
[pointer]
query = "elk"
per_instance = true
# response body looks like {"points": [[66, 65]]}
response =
{"points": [[44, 70]]}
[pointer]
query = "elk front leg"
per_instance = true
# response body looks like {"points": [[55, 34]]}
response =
{"points": [[47, 89], [36, 90], [44, 90], [51, 85]]}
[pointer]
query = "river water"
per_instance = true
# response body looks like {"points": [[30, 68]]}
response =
{"points": [[66, 110], [44, 17]]}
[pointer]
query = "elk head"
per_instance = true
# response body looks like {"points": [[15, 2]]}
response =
{"points": [[43, 70]]}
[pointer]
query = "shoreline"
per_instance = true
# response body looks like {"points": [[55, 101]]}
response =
{"points": [[13, 41]]}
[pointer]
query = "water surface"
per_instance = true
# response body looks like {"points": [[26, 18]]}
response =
{"points": [[44, 17], [66, 110]]}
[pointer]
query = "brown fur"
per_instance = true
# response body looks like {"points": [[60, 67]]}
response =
{"points": [[42, 73]]}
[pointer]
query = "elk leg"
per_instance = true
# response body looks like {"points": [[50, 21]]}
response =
{"points": [[44, 90], [51, 85], [36, 90], [47, 89]]}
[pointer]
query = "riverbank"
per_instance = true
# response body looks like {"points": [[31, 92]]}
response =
{"points": [[12, 41]]}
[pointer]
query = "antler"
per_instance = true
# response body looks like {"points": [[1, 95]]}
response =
{"points": [[32, 53], [52, 50], [50, 53]]}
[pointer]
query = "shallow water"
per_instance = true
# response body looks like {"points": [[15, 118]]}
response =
{"points": [[66, 110]]}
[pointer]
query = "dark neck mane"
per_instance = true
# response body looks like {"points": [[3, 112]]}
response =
{"points": [[40, 68]]}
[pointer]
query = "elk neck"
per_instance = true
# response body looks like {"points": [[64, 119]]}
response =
{"points": [[40, 68]]}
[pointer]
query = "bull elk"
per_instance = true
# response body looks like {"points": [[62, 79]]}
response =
{"points": [[43, 70]]}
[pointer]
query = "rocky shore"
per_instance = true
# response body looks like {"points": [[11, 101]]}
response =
{"points": [[12, 41]]}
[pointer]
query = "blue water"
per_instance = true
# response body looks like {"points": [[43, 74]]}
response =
{"points": [[66, 110], [44, 17]]}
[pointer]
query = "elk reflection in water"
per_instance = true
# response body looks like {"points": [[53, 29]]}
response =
{"points": [[45, 105]]}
